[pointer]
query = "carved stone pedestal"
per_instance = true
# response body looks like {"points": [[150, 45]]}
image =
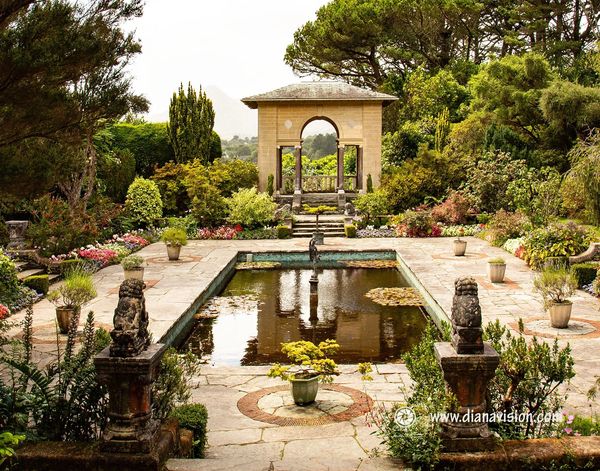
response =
{"points": [[467, 377], [16, 234], [130, 428]]}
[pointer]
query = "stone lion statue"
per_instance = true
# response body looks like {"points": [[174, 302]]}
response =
{"points": [[466, 317], [130, 334]]}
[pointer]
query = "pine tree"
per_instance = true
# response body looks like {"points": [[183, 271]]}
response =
{"points": [[191, 120]]}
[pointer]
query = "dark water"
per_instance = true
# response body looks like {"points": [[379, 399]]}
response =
{"points": [[251, 333]]}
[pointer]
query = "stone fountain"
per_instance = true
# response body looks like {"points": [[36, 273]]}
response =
{"points": [[468, 364]]}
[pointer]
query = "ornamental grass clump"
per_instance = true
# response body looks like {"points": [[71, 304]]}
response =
{"points": [[555, 286], [76, 290], [174, 236]]}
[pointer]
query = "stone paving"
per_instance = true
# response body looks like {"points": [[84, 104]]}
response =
{"points": [[237, 441]]}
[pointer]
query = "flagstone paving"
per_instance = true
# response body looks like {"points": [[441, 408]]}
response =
{"points": [[237, 441]]}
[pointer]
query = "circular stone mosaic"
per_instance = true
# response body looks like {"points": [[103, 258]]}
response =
{"points": [[335, 403], [576, 328], [467, 256], [182, 259]]}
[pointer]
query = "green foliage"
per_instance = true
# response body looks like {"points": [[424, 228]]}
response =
{"points": [[584, 273], [39, 283], [527, 381], [503, 139], [174, 236], [148, 142], [536, 193], [8, 443], [193, 417], [319, 145], [307, 361], [372, 204], [556, 240], [216, 151], [170, 180], [585, 174], [9, 283], [232, 175], [144, 203], [207, 205], [76, 290], [505, 225], [284, 232], [116, 167], [497, 261], [350, 231], [72, 265], [171, 387], [404, 143], [369, 183], [270, 185], [418, 224], [555, 285], [250, 209], [319, 209], [62, 401], [190, 127], [132, 262], [488, 181]]}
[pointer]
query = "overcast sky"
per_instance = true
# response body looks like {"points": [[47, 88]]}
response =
{"points": [[235, 46]]}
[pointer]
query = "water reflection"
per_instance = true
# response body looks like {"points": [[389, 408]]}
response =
{"points": [[252, 333]]}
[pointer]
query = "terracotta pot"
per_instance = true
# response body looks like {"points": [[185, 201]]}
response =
{"points": [[173, 251], [560, 313], [460, 247], [304, 391], [64, 316], [496, 272], [135, 274]]}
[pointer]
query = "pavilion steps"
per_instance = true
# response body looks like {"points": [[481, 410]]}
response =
{"points": [[330, 227]]}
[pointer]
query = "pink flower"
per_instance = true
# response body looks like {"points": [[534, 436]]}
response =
{"points": [[4, 312], [568, 430]]}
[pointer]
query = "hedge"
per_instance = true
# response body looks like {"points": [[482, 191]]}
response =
{"points": [[350, 231], [193, 417], [585, 273], [284, 232], [39, 283]]}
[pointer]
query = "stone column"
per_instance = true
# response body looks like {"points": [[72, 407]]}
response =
{"points": [[468, 364], [340, 168], [298, 181], [359, 168]]}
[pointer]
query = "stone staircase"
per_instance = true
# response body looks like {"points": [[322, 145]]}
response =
{"points": [[331, 225], [26, 268]]}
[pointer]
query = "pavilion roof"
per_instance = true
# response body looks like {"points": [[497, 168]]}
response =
{"points": [[318, 91]]}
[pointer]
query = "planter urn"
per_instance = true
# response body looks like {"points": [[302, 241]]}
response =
{"points": [[560, 313], [134, 274], [460, 247], [173, 251], [64, 317], [304, 391], [496, 272]]}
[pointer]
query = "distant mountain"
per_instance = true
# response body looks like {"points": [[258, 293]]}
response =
{"points": [[232, 117]]}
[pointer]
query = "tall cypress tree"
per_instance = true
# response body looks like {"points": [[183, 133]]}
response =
{"points": [[191, 120]]}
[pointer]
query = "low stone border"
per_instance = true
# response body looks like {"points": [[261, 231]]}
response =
{"points": [[248, 405], [563, 334]]}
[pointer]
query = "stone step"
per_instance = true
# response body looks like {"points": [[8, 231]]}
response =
{"points": [[321, 224], [53, 278], [327, 234], [21, 265], [30, 272]]}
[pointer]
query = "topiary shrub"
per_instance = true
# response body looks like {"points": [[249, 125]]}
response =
{"points": [[39, 283], [250, 209], [350, 231], [143, 203], [270, 185], [585, 273], [284, 232], [193, 417], [369, 183]]}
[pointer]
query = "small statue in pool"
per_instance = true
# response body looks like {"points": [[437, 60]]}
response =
{"points": [[130, 334], [313, 252]]}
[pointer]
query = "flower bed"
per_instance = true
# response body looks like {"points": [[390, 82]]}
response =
{"points": [[461, 230], [236, 232], [371, 232]]}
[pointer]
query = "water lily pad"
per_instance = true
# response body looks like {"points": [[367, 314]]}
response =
{"points": [[371, 263], [395, 297]]}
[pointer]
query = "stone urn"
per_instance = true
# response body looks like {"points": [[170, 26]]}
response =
{"points": [[16, 234], [64, 317], [134, 274], [319, 237], [560, 314], [304, 390], [460, 247], [173, 251], [496, 271]]}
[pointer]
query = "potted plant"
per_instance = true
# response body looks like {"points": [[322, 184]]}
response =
{"points": [[133, 267], [496, 269], [76, 290], [174, 238], [317, 211], [309, 365], [555, 286], [460, 246]]}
